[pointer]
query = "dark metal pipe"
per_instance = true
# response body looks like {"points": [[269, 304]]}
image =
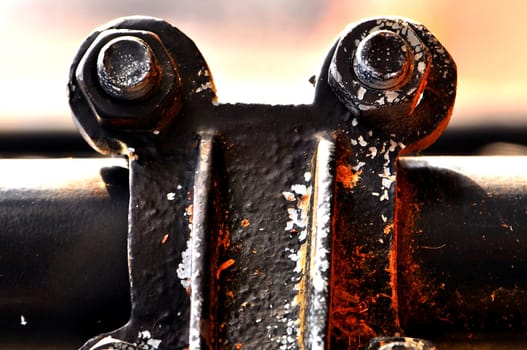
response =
{"points": [[461, 225], [461, 252], [63, 232]]}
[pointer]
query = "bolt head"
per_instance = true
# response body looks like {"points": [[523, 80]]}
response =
{"points": [[379, 71], [129, 80], [127, 68], [382, 60]]}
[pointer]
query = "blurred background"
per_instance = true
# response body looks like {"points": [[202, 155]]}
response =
{"points": [[261, 51]]}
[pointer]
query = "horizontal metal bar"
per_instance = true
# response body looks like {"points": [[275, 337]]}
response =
{"points": [[462, 256], [462, 246], [63, 268]]}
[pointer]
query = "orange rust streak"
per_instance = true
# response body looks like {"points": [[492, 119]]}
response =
{"points": [[165, 239], [392, 269], [225, 265], [245, 222], [189, 211]]}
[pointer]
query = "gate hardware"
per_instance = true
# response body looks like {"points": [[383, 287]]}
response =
{"points": [[255, 226]]}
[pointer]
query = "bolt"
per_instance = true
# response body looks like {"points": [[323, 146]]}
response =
{"points": [[127, 68], [382, 60]]}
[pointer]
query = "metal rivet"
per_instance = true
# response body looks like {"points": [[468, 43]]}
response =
{"points": [[382, 60], [127, 68]]}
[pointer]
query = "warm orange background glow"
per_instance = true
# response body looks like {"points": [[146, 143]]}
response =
{"points": [[260, 51]]}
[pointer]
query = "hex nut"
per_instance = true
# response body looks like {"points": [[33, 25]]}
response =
{"points": [[142, 111], [363, 85]]}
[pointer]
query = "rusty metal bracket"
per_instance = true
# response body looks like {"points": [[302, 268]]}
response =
{"points": [[256, 226]]}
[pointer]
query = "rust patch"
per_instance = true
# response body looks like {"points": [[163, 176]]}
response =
{"points": [[245, 223], [238, 346], [418, 291], [362, 297], [164, 239], [347, 176], [189, 212]]}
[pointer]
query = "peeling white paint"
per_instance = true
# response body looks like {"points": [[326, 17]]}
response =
{"points": [[184, 270], [391, 95], [289, 196], [361, 92], [373, 152], [362, 142], [421, 67], [358, 166], [203, 87]]}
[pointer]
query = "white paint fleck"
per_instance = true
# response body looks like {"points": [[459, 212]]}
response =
{"points": [[354, 122], [23, 321], [154, 343], [105, 341], [358, 166], [171, 196], [360, 93], [289, 196], [184, 270], [384, 218], [386, 182], [299, 189], [421, 67], [353, 142], [293, 257], [362, 142], [384, 196], [375, 194], [179, 187], [412, 39], [156, 132], [373, 152], [307, 176], [391, 95], [366, 107], [302, 236], [203, 87]]}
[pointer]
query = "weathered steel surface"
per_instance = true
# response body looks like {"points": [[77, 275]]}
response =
{"points": [[256, 226], [462, 253]]}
